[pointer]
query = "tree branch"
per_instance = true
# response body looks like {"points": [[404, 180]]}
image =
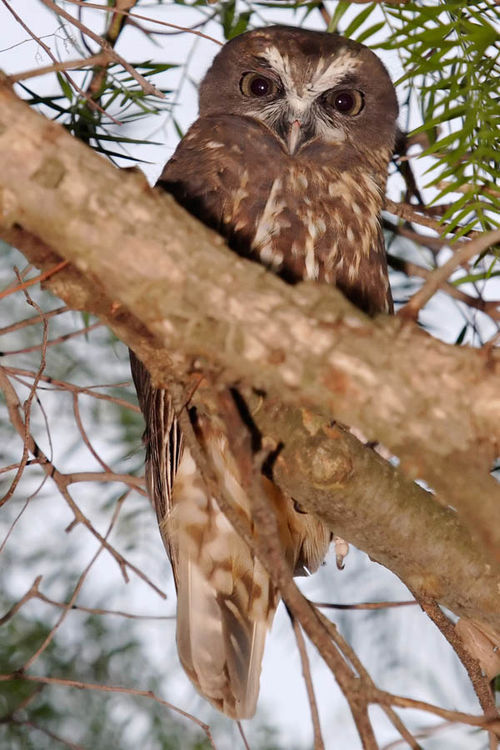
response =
{"points": [[165, 283]]}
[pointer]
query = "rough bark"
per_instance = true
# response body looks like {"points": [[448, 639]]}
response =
{"points": [[167, 284]]}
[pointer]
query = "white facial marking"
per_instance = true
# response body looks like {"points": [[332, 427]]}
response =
{"points": [[328, 74], [334, 136], [279, 63], [298, 105]]}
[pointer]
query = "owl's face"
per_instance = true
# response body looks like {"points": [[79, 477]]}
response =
{"points": [[304, 86]]}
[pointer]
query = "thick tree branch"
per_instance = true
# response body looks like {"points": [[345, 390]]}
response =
{"points": [[163, 280]]}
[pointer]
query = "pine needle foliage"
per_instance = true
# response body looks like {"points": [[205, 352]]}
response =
{"points": [[450, 52]]}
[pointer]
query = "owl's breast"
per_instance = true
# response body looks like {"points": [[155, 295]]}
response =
{"points": [[323, 224], [299, 216]]}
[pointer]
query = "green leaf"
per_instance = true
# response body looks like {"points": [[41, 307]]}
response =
{"points": [[370, 31], [337, 14], [65, 87], [359, 19]]}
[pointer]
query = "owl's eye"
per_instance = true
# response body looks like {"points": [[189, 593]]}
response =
{"points": [[255, 84], [347, 101]]}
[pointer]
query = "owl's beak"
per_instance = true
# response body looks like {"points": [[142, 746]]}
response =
{"points": [[293, 138]]}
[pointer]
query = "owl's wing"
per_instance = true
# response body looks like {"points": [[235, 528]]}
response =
{"points": [[163, 442], [225, 598]]}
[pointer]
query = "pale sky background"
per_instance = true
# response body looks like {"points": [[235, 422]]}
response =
{"points": [[403, 660]]}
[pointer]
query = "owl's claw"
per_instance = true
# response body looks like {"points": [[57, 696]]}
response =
{"points": [[341, 551]]}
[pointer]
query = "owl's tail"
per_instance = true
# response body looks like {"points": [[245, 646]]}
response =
{"points": [[225, 599]]}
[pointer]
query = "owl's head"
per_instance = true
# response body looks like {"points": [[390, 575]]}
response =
{"points": [[304, 86]]}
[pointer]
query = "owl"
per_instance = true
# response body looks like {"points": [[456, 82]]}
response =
{"points": [[288, 161]]}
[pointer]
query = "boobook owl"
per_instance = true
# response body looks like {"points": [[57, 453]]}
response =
{"points": [[288, 161]]}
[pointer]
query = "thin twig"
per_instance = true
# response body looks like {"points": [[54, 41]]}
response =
{"points": [[146, 85], [54, 342], [48, 51], [242, 735], [464, 253], [27, 411], [187, 29], [489, 307], [46, 732], [416, 214], [58, 67], [478, 680], [365, 605], [109, 689], [384, 698], [61, 482], [51, 635], [41, 277], [306, 672], [34, 320], [17, 373]]}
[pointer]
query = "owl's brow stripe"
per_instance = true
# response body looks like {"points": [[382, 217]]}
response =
{"points": [[327, 74]]}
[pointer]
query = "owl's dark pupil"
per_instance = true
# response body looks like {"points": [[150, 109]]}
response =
{"points": [[344, 102], [259, 86]]}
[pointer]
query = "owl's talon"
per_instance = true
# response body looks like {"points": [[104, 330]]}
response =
{"points": [[341, 551]]}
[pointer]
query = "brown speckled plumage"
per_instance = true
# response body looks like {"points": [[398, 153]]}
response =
{"points": [[296, 182]]}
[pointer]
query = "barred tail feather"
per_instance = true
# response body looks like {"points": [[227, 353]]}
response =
{"points": [[225, 600], [219, 646]]}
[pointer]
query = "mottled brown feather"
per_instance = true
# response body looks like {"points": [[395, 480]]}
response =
{"points": [[307, 210]]}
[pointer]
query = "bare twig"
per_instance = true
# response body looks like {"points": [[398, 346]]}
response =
{"points": [[27, 409], [34, 320], [45, 680], [465, 252], [61, 481], [365, 605], [146, 85], [478, 680], [41, 277], [30, 594], [35, 593], [54, 342], [306, 672], [18, 373], [46, 732], [50, 636], [58, 67], [186, 29], [48, 51], [445, 713], [242, 735], [489, 307]]}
